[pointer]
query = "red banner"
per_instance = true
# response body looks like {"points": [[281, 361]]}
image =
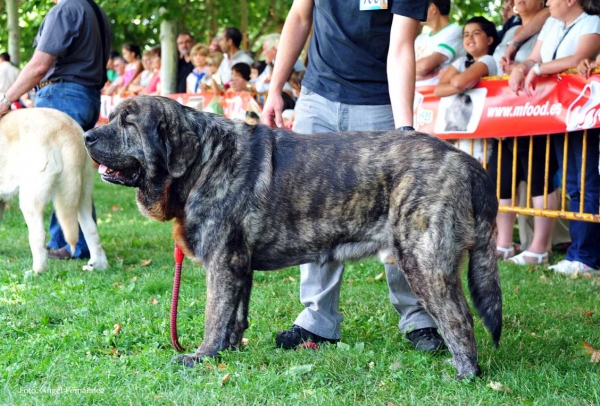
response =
{"points": [[560, 103]]}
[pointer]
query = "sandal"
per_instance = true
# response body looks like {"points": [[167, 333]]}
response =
{"points": [[520, 259], [505, 253]]}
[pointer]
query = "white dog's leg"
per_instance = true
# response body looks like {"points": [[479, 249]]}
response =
{"points": [[33, 211], [90, 231]]}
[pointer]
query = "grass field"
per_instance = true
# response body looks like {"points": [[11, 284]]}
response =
{"points": [[59, 345]]}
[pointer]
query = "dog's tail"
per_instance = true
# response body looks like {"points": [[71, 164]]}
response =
{"points": [[483, 277], [67, 201]]}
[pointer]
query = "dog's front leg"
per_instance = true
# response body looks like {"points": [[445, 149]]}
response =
{"points": [[228, 286]]}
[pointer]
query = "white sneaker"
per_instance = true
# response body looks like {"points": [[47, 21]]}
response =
{"points": [[570, 267]]}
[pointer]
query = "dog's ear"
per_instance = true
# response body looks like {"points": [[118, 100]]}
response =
{"points": [[182, 149], [182, 144]]}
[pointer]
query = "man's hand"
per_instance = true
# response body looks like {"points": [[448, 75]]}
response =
{"points": [[271, 114]]}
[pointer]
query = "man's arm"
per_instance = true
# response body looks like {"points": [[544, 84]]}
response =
{"points": [[293, 37], [32, 73], [527, 31], [401, 68]]}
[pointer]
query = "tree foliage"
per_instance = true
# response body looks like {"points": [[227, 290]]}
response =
{"points": [[139, 22]]}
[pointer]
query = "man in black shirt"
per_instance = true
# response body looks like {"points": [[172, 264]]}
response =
{"points": [[185, 42]]}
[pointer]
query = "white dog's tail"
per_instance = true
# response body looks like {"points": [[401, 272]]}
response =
{"points": [[67, 201]]}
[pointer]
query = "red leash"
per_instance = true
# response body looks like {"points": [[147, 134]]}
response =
{"points": [[179, 255]]}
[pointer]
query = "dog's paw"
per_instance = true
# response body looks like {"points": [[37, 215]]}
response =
{"points": [[188, 360], [30, 274], [468, 374], [95, 266]]}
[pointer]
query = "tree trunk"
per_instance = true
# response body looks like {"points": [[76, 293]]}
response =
{"points": [[14, 33], [169, 57], [244, 27]]}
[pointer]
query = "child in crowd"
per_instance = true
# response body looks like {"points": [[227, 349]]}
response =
{"points": [[295, 82], [256, 69], [111, 73], [152, 86], [148, 72], [480, 39], [114, 86], [213, 60], [139, 83], [240, 76], [131, 54], [199, 55]]}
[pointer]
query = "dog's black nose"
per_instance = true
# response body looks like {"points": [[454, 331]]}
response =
{"points": [[89, 137]]}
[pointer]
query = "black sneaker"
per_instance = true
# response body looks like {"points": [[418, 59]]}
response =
{"points": [[426, 339], [290, 339]]}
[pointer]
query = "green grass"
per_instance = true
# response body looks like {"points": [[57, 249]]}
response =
{"points": [[57, 344]]}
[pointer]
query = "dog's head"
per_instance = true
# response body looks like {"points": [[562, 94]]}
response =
{"points": [[149, 143]]}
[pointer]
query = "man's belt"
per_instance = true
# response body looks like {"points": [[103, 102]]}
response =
{"points": [[45, 83]]}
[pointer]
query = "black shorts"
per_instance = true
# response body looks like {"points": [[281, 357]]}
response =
{"points": [[537, 168]]}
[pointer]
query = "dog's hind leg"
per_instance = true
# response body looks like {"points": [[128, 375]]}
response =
{"points": [[431, 267], [32, 206], [89, 228], [228, 286], [2, 205]]}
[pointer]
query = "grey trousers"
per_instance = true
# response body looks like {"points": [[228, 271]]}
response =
{"points": [[320, 283]]}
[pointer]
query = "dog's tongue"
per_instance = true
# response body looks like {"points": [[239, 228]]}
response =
{"points": [[102, 169]]}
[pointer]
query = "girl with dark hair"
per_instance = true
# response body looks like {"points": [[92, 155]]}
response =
{"points": [[131, 53], [480, 39]]}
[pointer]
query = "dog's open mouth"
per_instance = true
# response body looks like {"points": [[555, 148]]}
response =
{"points": [[126, 177]]}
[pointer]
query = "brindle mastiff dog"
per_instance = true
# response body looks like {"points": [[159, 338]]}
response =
{"points": [[247, 198]]}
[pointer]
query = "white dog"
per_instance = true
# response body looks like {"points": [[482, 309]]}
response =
{"points": [[42, 157]]}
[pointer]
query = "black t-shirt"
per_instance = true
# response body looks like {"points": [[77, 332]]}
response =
{"points": [[70, 32], [348, 50], [183, 70]]}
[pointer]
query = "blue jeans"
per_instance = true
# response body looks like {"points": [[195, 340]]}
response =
{"points": [[320, 283], [82, 103], [585, 236]]}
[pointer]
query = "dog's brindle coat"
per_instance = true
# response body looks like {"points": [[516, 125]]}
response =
{"points": [[247, 198]]}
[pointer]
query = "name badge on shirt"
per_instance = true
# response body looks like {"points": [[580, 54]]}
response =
{"points": [[373, 5]]}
